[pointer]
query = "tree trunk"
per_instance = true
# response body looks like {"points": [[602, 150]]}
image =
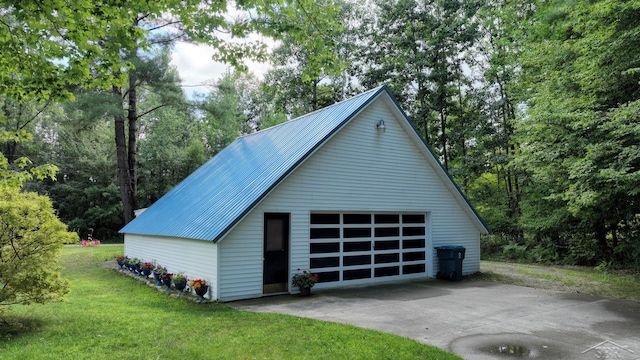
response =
{"points": [[423, 111], [443, 129], [132, 117], [511, 175], [603, 249], [314, 98], [463, 146], [614, 238], [11, 145], [124, 181]]}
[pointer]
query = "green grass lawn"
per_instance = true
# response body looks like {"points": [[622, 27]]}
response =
{"points": [[110, 316]]}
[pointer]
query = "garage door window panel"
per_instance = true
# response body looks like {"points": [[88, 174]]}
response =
{"points": [[325, 262], [352, 246], [325, 219], [387, 271], [413, 244], [387, 219], [413, 256], [387, 231], [387, 258], [325, 233], [357, 274], [356, 218], [328, 276], [413, 269], [356, 260], [413, 219], [413, 231], [325, 248], [387, 245], [357, 233]]}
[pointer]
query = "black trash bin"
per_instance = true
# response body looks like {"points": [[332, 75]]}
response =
{"points": [[450, 262]]}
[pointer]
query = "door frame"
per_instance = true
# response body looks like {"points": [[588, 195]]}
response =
{"points": [[276, 270]]}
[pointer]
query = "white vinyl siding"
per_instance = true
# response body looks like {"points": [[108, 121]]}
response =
{"points": [[241, 261], [196, 258], [358, 170]]}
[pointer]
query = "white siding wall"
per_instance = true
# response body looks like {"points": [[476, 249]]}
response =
{"points": [[357, 170], [196, 258], [241, 261]]}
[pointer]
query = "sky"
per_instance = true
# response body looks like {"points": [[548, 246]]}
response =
{"points": [[196, 68]]}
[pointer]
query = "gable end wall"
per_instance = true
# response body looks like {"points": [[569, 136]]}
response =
{"points": [[358, 170]]}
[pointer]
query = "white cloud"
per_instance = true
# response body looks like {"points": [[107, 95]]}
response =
{"points": [[196, 68]]}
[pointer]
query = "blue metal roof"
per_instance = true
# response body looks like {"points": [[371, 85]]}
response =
{"points": [[211, 200]]}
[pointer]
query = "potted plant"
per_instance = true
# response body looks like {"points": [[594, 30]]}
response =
{"points": [[120, 259], [304, 280], [128, 263], [157, 274], [134, 264], [166, 279], [200, 287], [146, 268], [180, 281]]}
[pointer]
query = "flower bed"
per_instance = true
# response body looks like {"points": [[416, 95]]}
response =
{"points": [[177, 284], [89, 242]]}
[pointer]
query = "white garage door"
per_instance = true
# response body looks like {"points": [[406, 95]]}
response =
{"points": [[361, 247]]}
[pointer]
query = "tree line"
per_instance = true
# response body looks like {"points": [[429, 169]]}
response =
{"points": [[532, 106]]}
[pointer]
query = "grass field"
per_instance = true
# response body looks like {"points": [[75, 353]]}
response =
{"points": [[572, 279], [109, 316]]}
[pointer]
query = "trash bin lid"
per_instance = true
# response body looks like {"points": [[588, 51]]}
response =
{"points": [[450, 247]]}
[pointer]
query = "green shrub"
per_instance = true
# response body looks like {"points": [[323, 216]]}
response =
{"points": [[31, 237]]}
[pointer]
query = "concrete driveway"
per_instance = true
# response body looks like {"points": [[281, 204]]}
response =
{"points": [[477, 319]]}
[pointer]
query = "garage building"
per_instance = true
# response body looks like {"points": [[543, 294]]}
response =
{"points": [[351, 192]]}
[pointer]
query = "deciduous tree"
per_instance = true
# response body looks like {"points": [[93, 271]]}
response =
{"points": [[580, 137], [419, 50]]}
